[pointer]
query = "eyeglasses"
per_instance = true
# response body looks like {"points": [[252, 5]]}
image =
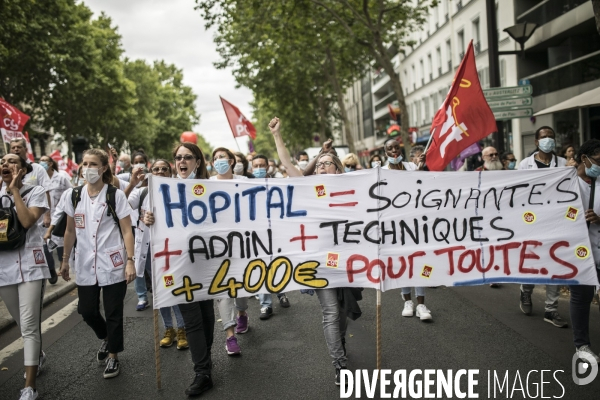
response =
{"points": [[511, 159], [492, 155], [160, 169], [187, 157], [325, 163]]}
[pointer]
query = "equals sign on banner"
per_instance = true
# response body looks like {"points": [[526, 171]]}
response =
{"points": [[346, 193]]}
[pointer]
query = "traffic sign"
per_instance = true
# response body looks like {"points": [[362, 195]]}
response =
{"points": [[509, 103], [510, 114], [513, 91]]}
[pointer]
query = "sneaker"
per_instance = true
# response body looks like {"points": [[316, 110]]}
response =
{"points": [[40, 365], [53, 276], [284, 302], [102, 352], [28, 393], [338, 372], [242, 324], [232, 346], [169, 338], [586, 349], [526, 303], [423, 312], [182, 342], [201, 384], [112, 368], [141, 305], [408, 309], [554, 318], [266, 312], [494, 285]]}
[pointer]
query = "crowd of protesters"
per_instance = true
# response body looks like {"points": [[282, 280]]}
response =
{"points": [[105, 210]]}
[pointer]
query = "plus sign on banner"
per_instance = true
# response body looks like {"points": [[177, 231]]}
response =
{"points": [[367, 229]]}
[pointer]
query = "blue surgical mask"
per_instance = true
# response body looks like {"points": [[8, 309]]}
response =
{"points": [[512, 165], [44, 165], [259, 172], [348, 169], [547, 145], [396, 160], [593, 171], [208, 167], [375, 164], [222, 166]]}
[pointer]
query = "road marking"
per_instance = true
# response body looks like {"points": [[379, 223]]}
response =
{"points": [[48, 324]]}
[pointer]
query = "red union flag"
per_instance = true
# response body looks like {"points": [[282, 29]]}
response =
{"points": [[463, 119], [12, 121], [240, 126]]}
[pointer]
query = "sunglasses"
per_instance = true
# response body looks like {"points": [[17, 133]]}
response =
{"points": [[160, 169], [325, 163], [493, 155], [187, 157]]}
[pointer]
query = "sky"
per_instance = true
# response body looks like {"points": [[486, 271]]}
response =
{"points": [[173, 31]]}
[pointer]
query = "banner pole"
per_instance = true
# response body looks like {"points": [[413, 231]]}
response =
{"points": [[238, 145], [378, 329], [425, 151], [157, 350]]}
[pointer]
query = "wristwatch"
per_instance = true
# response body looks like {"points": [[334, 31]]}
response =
{"points": [[130, 258]]}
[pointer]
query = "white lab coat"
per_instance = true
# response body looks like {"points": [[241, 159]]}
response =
{"points": [[594, 229], [58, 184], [529, 162], [38, 176], [100, 255], [58, 210], [142, 234], [29, 262]]}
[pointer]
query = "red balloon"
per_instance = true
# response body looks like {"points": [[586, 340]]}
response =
{"points": [[190, 137]]}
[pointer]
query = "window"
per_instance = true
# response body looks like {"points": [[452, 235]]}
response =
{"points": [[461, 44], [476, 37], [422, 72], [430, 67], [502, 73], [434, 102], [438, 60], [425, 110], [406, 83], [449, 54], [418, 119], [414, 77]]}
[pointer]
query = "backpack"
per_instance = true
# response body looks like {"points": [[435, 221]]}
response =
{"points": [[12, 233], [61, 224]]}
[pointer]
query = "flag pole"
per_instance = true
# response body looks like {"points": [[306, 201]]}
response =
{"points": [[238, 145]]}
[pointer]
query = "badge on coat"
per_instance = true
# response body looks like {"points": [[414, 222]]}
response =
{"points": [[79, 221], [116, 259], [38, 256]]}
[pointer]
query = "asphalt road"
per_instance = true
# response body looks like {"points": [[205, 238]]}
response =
{"points": [[286, 356]]}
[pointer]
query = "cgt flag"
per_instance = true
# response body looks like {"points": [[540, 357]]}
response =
{"points": [[463, 119], [240, 126], [12, 121]]}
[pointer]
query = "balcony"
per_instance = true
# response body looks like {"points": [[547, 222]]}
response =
{"points": [[546, 11], [581, 70], [477, 47]]}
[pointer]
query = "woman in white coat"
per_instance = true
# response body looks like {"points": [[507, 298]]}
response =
{"points": [[103, 257], [23, 271]]}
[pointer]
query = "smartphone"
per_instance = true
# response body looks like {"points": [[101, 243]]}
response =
{"points": [[110, 146], [51, 245]]}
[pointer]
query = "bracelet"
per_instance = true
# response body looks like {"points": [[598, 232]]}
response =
{"points": [[66, 257]]}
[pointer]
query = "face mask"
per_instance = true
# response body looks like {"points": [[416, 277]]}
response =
{"points": [[593, 171], [44, 165], [375, 164], [91, 175], [302, 165], [546, 145], [209, 168], [348, 169], [396, 160], [142, 166], [271, 170], [192, 175], [121, 164], [259, 172], [222, 166], [512, 165], [249, 168], [238, 168]]}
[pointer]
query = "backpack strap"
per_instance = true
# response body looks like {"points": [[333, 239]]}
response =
{"points": [[112, 205], [76, 196], [142, 198], [26, 192]]}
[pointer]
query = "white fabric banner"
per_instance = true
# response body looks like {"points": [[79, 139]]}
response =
{"points": [[374, 228]]}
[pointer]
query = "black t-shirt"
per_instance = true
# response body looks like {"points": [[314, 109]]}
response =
{"points": [[541, 164]]}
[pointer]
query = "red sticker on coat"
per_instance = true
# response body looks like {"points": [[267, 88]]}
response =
{"points": [[116, 259], [38, 256], [79, 221]]}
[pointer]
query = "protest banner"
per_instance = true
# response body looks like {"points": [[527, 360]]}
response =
{"points": [[375, 228]]}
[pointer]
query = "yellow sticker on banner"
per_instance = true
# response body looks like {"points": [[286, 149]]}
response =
{"points": [[320, 190], [571, 213], [427, 270], [528, 217], [169, 281], [198, 190], [582, 252], [333, 260], [4, 230]]}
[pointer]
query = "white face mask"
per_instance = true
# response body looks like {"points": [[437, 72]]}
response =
{"points": [[91, 175], [238, 169], [302, 165], [271, 170]]}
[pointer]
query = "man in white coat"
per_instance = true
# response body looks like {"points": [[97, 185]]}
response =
{"points": [[543, 158]]}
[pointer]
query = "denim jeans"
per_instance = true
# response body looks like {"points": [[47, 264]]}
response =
{"points": [[266, 300], [199, 318], [419, 291], [581, 300], [228, 310], [334, 324], [552, 295], [165, 313]]}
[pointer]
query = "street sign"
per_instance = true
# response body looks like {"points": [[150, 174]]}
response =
{"points": [[510, 114], [513, 91], [509, 103]]}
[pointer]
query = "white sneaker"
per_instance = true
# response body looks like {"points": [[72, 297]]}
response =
{"points": [[423, 312], [28, 393], [40, 365], [586, 349], [408, 309]]}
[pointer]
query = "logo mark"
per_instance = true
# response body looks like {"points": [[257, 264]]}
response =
{"points": [[332, 260], [582, 252], [427, 270], [588, 362], [169, 280], [572, 213], [198, 190], [528, 217], [320, 189]]}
